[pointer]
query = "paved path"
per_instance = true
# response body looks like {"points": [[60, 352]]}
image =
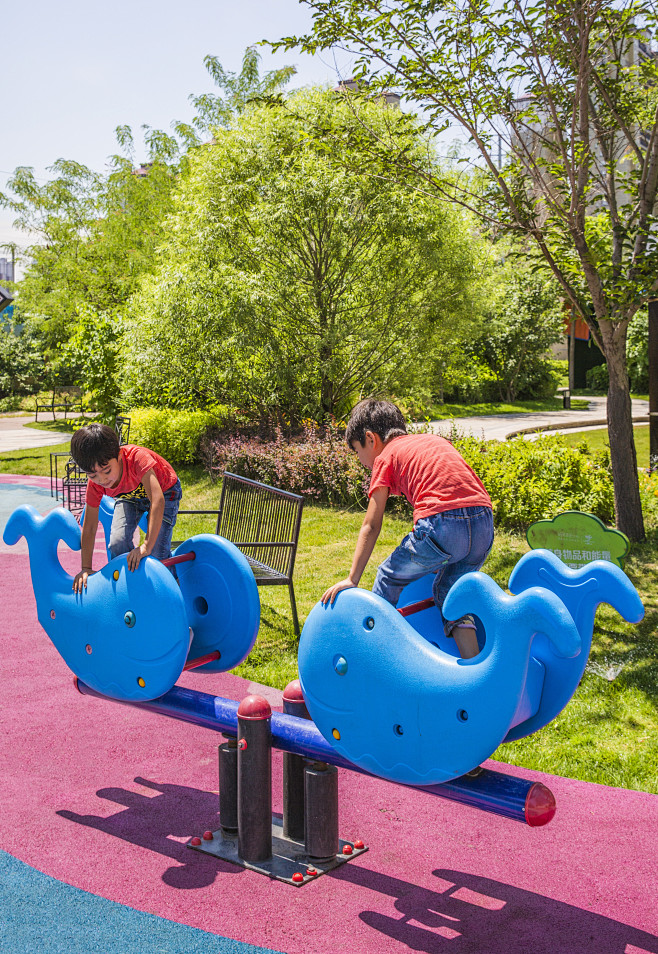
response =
{"points": [[14, 435], [501, 426]]}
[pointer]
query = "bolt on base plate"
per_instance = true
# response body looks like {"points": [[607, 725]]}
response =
{"points": [[288, 856]]}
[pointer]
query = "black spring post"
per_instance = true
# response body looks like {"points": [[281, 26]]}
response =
{"points": [[254, 779], [321, 816], [293, 769], [228, 786]]}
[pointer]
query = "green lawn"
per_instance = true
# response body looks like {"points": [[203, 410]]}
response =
{"points": [[597, 440], [442, 412], [609, 731]]}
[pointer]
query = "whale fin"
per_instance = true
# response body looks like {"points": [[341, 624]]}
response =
{"points": [[515, 619]]}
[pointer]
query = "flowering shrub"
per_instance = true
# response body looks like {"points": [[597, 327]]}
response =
{"points": [[527, 480], [318, 466]]}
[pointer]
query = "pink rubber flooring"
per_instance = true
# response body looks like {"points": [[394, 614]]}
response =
{"points": [[103, 797]]}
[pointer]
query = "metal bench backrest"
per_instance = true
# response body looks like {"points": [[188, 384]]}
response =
{"points": [[122, 428], [262, 521]]}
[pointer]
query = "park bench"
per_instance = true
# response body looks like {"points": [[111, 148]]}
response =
{"points": [[263, 522], [67, 399]]}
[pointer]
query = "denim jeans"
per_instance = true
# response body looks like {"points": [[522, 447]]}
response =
{"points": [[128, 513], [448, 544]]}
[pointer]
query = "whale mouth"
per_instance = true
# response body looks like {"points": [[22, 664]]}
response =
{"points": [[314, 699]]}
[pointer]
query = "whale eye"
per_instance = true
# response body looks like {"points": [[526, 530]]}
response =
{"points": [[369, 622], [340, 665], [398, 730], [462, 715], [130, 619]]}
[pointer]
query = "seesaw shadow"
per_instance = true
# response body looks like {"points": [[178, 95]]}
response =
{"points": [[476, 915], [154, 822]]}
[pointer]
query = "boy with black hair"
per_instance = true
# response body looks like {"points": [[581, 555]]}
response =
{"points": [[140, 480], [453, 520]]}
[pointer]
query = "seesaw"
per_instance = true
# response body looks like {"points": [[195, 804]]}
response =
{"points": [[385, 691]]}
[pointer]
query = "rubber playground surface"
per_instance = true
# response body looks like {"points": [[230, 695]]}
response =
{"points": [[99, 800]]}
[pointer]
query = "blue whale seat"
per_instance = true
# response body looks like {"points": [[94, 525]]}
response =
{"points": [[127, 635], [392, 696]]}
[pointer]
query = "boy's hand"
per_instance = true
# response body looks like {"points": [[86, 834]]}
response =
{"points": [[80, 580], [333, 591], [135, 556]]}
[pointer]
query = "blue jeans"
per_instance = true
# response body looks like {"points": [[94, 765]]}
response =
{"points": [[128, 513], [448, 544]]}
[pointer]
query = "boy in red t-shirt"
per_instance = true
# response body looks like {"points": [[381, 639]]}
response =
{"points": [[140, 481], [453, 520]]}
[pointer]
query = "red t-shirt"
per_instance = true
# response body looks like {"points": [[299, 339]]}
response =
{"points": [[136, 461], [430, 473]]}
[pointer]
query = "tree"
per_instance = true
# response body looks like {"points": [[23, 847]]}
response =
{"points": [[94, 235], [571, 91], [526, 320], [236, 91], [293, 282]]}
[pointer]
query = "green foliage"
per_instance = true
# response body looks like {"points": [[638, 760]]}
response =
{"points": [[21, 365], [91, 355], [236, 91], [175, 435], [528, 319], [508, 359], [98, 234], [292, 281], [533, 480]]}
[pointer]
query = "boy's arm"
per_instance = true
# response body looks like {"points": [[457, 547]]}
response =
{"points": [[89, 528], [372, 524], [155, 495]]}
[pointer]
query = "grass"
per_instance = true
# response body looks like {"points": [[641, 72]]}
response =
{"points": [[598, 440], [442, 412], [607, 733]]}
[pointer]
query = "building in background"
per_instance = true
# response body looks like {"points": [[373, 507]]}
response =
{"points": [[6, 270]]}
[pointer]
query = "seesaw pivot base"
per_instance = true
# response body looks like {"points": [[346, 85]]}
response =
{"points": [[288, 856]]}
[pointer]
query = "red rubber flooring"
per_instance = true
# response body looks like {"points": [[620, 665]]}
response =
{"points": [[104, 797]]}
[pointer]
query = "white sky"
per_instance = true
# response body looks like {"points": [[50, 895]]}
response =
{"points": [[76, 69]]}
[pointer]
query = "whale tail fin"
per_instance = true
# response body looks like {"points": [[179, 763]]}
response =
{"points": [[43, 535], [581, 590]]}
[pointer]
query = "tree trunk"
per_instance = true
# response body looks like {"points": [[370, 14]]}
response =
{"points": [[623, 459]]}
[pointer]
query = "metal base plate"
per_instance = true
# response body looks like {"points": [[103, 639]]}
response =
{"points": [[288, 856]]}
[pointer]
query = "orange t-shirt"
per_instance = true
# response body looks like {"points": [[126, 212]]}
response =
{"points": [[430, 473], [136, 461]]}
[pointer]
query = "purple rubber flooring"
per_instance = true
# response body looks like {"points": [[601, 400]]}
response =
{"points": [[104, 797]]}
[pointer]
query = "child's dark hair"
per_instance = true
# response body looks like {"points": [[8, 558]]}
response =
{"points": [[381, 417], [93, 446]]}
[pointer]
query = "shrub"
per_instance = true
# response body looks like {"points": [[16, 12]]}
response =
{"points": [[317, 465], [597, 377], [176, 435], [21, 365], [527, 480], [532, 480]]}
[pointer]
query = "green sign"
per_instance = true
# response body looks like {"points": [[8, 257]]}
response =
{"points": [[578, 538]]}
